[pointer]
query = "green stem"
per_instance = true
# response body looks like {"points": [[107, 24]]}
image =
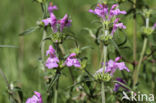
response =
{"points": [[103, 92], [56, 91], [62, 49], [104, 65], [43, 7], [136, 73], [105, 56], [55, 98], [43, 46], [140, 61], [153, 78]]}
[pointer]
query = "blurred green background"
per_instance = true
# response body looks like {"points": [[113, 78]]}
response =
{"points": [[21, 64]]}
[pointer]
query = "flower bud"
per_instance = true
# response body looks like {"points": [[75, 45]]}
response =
{"points": [[56, 38], [147, 13], [102, 77], [148, 31], [105, 39]]}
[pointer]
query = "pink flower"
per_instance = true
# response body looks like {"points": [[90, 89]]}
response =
{"points": [[72, 61], [50, 51], [117, 25], [52, 7], [115, 12], [37, 98], [64, 22], [52, 21], [112, 66], [52, 61], [102, 11]]}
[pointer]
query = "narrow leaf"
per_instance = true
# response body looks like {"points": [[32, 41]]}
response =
{"points": [[8, 46], [28, 31]]}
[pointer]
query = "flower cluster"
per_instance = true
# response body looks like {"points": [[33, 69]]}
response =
{"points": [[37, 98], [52, 20], [109, 16], [112, 66], [52, 61]]}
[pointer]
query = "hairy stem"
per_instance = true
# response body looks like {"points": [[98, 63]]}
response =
{"points": [[153, 78], [62, 49], [105, 57], [103, 92], [43, 7], [140, 61], [43, 47], [56, 91], [136, 73]]}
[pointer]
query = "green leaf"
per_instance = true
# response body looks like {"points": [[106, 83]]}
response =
{"points": [[28, 31], [8, 46], [125, 40], [86, 47], [115, 45], [90, 32], [56, 77], [123, 85]]}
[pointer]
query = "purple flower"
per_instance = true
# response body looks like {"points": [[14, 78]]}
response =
{"points": [[37, 98], [52, 61], [117, 85], [64, 22], [101, 10], [117, 25], [115, 12], [72, 61], [50, 51], [52, 21], [52, 7], [111, 66]]}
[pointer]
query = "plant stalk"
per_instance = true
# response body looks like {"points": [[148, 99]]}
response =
{"points": [[140, 61], [43, 47], [136, 73], [153, 78], [56, 91], [103, 92], [104, 65]]}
